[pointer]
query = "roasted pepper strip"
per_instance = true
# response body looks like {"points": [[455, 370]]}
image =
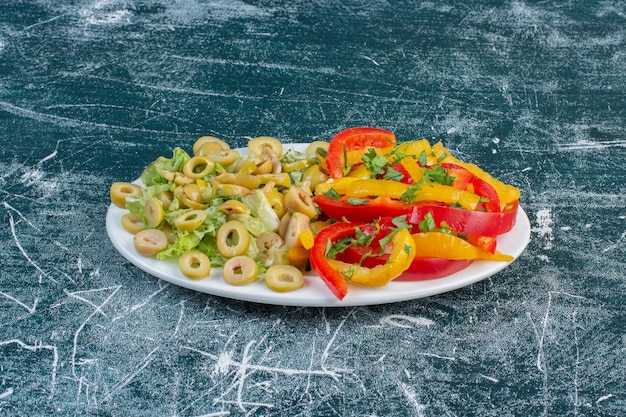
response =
{"points": [[426, 192], [341, 149], [368, 209], [400, 258], [448, 246], [506, 192], [415, 148], [480, 223], [412, 167], [333, 279]]}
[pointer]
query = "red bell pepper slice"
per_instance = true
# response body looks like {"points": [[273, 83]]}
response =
{"points": [[333, 279], [463, 178], [487, 243], [355, 138], [481, 223], [370, 210], [423, 269]]}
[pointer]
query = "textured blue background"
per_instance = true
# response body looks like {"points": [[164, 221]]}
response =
{"points": [[92, 91]]}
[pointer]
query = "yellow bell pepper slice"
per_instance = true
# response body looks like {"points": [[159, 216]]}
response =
{"points": [[360, 172], [413, 168], [355, 156], [338, 184], [415, 148], [506, 193], [400, 258], [427, 192], [449, 246], [307, 238]]}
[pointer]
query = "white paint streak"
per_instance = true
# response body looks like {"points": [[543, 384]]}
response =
{"points": [[412, 397], [604, 398], [587, 145], [150, 297], [371, 60], [617, 244], [405, 322], [544, 228], [6, 393], [31, 310], [97, 310], [145, 362], [489, 378], [244, 369], [35, 348], [105, 12], [433, 355], [22, 250]]}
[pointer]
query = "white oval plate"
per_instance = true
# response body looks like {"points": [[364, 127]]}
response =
{"points": [[315, 293]]}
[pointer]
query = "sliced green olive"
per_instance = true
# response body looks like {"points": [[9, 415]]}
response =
{"points": [[194, 264], [190, 220], [283, 278], [240, 270], [120, 191], [149, 242], [153, 210]]}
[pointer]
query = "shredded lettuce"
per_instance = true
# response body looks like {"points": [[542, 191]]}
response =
{"points": [[198, 238], [291, 156], [151, 174], [184, 243], [208, 246], [261, 208], [136, 205]]}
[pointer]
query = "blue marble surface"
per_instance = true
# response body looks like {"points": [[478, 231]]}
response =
{"points": [[92, 91]]}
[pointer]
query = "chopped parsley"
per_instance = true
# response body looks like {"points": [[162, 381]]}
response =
{"points": [[393, 174], [332, 193], [428, 224], [422, 159], [346, 168], [396, 154], [357, 201], [332, 249], [399, 223], [438, 175], [362, 238], [374, 162], [411, 194]]}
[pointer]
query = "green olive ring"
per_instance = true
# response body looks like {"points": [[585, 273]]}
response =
{"points": [[297, 223], [225, 157], [240, 270], [277, 201], [120, 191], [208, 144], [153, 210], [132, 223], [314, 148], [256, 145], [198, 167], [190, 220], [192, 196], [149, 242], [297, 200], [194, 264], [233, 239], [284, 278]]}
